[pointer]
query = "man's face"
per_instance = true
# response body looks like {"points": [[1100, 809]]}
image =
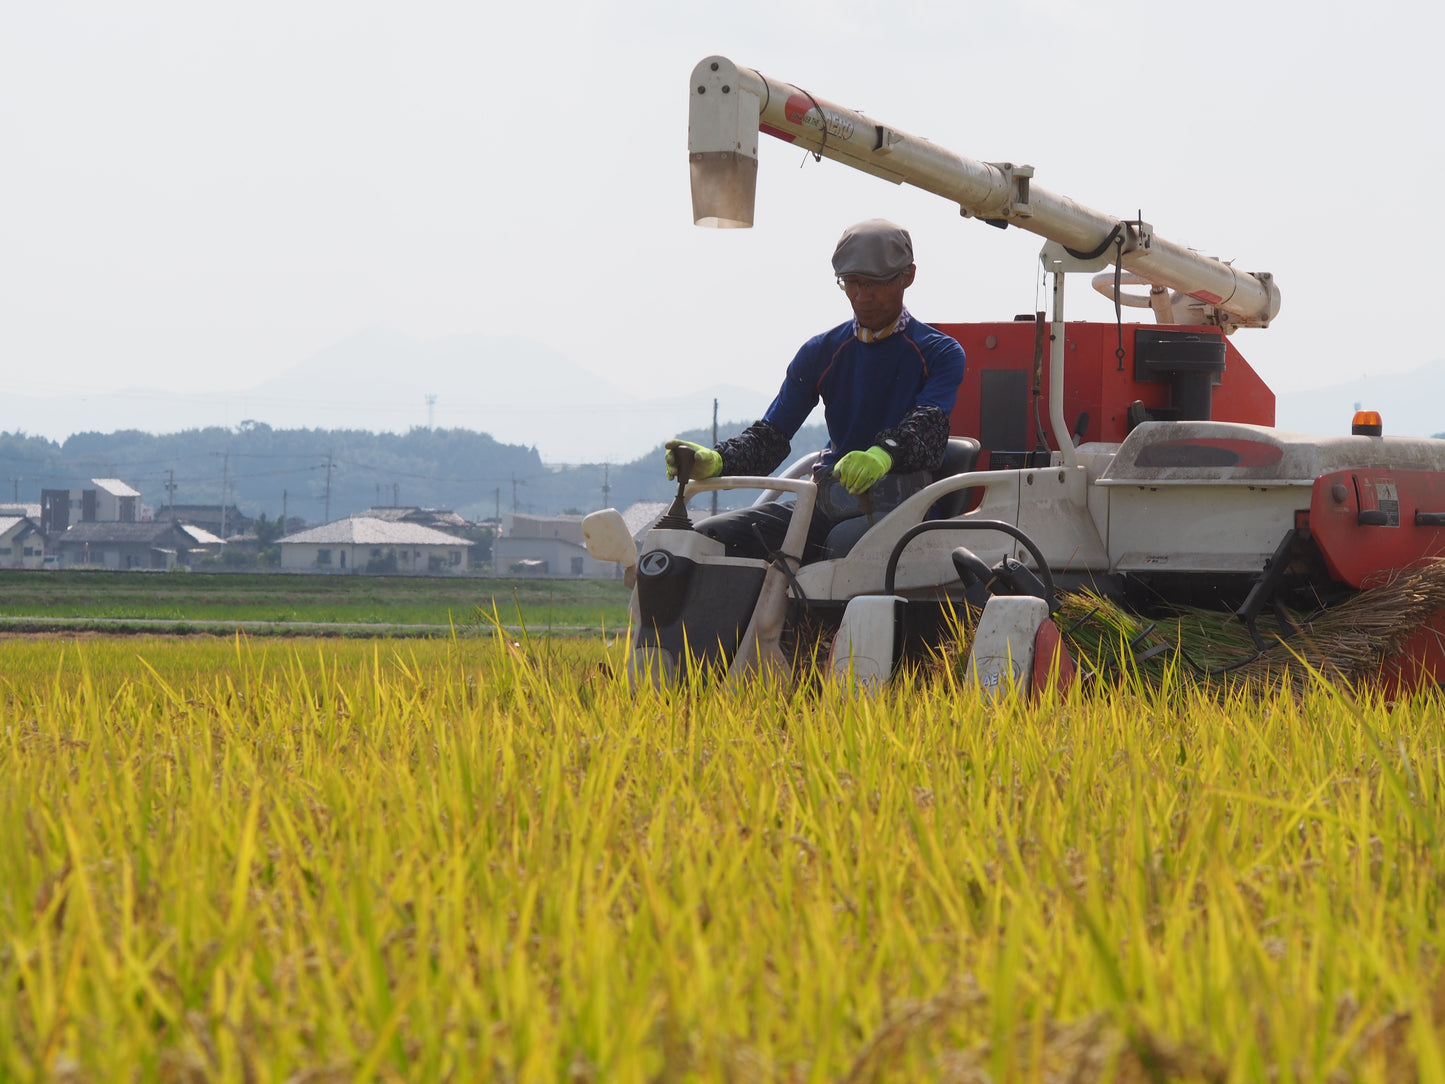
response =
{"points": [[876, 302]]}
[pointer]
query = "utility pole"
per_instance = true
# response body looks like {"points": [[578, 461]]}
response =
{"points": [[171, 493], [16, 483], [284, 528], [225, 479], [497, 496], [714, 444], [431, 401], [606, 489], [514, 493], [395, 501], [328, 487]]}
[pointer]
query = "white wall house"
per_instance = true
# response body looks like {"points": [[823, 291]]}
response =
{"points": [[115, 502], [360, 544], [545, 546], [21, 543], [108, 500], [553, 545]]}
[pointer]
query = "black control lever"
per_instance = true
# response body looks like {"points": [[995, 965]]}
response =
{"points": [[676, 518]]}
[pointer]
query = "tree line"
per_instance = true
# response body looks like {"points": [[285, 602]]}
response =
{"points": [[317, 475]]}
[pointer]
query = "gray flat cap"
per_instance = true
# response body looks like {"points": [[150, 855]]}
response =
{"points": [[875, 249]]}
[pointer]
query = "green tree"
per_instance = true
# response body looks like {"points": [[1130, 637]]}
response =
{"points": [[268, 531]]}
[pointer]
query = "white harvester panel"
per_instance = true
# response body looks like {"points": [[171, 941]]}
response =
{"points": [[1002, 659], [868, 642]]}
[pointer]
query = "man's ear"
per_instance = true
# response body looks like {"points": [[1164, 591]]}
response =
{"points": [[912, 271]]}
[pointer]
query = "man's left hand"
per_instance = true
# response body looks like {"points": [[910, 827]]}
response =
{"points": [[859, 470]]}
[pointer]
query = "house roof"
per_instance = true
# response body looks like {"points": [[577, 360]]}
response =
{"points": [[432, 517], [641, 515], [367, 531], [390, 515], [8, 523], [9, 508], [201, 536], [451, 519], [115, 487], [143, 533]]}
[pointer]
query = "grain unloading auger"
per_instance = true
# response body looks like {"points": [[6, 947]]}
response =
{"points": [[1170, 486]]}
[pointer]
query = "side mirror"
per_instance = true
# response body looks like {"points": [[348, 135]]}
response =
{"points": [[608, 539]]}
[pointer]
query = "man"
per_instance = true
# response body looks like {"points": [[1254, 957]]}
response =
{"points": [[888, 383]]}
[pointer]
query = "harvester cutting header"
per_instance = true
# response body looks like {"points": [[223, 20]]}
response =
{"points": [[1170, 487]]}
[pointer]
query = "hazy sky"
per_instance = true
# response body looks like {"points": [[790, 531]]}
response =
{"points": [[200, 196]]}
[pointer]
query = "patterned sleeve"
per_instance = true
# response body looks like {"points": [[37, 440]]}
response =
{"points": [[922, 438], [757, 450]]}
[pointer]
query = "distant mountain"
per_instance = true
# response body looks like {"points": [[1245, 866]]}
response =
{"points": [[1410, 404], [538, 408], [515, 389], [320, 474]]}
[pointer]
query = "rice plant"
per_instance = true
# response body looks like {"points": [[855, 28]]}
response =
{"points": [[473, 860]]}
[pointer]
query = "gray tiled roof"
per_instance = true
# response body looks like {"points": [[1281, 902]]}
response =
{"points": [[365, 531], [427, 517], [641, 515], [150, 533]]}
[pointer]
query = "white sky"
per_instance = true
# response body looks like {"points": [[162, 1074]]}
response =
{"points": [[200, 196]]}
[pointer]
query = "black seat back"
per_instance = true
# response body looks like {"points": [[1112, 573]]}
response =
{"points": [[960, 458]]}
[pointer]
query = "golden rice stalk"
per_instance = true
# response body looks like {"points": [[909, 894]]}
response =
{"points": [[1351, 642]]}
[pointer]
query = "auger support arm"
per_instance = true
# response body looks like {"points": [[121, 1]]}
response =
{"points": [[730, 105]]}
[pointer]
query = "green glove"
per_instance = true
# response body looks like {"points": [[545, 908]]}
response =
{"points": [[706, 463], [859, 470]]}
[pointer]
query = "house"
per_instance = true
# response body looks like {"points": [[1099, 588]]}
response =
{"points": [[531, 545], [21, 543], [544, 546], [553, 545], [120, 546], [203, 542], [221, 520], [108, 500], [115, 502], [365, 544], [640, 517], [440, 519]]}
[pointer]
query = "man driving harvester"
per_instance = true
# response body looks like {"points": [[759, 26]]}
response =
{"points": [[888, 383]]}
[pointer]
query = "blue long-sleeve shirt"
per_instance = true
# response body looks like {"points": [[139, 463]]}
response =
{"points": [[903, 386]]}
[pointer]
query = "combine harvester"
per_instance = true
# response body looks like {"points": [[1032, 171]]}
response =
{"points": [[1157, 480]]}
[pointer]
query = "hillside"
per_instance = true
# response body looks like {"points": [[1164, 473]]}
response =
{"points": [[308, 472], [518, 390]]}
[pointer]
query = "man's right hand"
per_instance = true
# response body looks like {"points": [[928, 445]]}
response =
{"points": [[706, 463]]}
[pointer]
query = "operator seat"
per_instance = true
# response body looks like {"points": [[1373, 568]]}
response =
{"points": [[960, 458]]}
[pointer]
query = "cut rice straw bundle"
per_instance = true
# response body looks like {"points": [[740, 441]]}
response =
{"points": [[1350, 643]]}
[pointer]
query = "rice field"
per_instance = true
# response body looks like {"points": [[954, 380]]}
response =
{"points": [[479, 860], [99, 600]]}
